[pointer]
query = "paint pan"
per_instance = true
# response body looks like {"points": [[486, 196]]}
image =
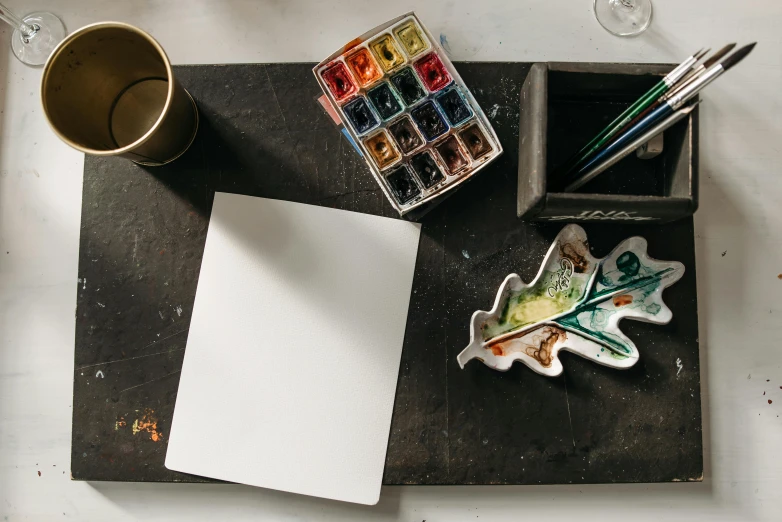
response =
{"points": [[403, 103]]}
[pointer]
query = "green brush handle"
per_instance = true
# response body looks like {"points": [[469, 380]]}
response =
{"points": [[615, 126]]}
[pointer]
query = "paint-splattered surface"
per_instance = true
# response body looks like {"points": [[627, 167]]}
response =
{"points": [[263, 134]]}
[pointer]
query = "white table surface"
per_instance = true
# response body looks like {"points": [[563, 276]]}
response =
{"points": [[738, 242]]}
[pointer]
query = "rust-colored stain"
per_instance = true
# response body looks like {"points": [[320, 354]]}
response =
{"points": [[162, 251], [779, 276], [543, 344], [39, 473], [351, 44], [769, 401], [577, 253], [107, 456], [120, 424], [543, 353], [623, 300], [147, 423]]}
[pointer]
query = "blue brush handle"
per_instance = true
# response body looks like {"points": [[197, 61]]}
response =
{"points": [[642, 126]]}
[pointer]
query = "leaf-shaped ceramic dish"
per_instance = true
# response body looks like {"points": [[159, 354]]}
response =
{"points": [[575, 304]]}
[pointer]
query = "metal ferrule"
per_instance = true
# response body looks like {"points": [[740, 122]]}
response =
{"points": [[678, 99], [678, 73], [687, 80]]}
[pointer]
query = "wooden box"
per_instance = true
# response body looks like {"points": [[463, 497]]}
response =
{"points": [[563, 106]]}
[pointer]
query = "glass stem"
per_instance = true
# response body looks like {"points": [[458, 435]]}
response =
{"points": [[11, 19]]}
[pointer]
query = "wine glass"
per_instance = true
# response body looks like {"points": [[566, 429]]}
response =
{"points": [[624, 17], [35, 36]]}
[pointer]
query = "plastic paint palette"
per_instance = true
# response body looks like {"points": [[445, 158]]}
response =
{"points": [[418, 126]]}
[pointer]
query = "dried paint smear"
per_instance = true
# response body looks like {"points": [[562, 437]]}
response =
{"points": [[540, 348], [147, 423]]}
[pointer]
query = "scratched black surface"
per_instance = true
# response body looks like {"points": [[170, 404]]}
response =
{"points": [[142, 238]]}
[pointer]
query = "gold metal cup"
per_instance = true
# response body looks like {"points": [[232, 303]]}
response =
{"points": [[108, 90]]}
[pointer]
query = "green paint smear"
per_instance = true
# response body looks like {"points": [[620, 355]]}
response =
{"points": [[641, 288], [571, 322], [647, 283], [533, 305]]}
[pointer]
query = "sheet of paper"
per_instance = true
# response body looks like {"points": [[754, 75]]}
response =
{"points": [[292, 357]]}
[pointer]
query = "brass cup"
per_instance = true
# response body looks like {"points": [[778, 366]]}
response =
{"points": [[108, 90]]}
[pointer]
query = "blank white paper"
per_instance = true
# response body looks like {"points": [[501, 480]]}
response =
{"points": [[292, 358]]}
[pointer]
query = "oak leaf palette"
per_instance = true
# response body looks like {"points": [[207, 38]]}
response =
{"points": [[574, 304]]}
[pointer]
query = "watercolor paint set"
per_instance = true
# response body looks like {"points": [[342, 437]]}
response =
{"points": [[408, 112]]}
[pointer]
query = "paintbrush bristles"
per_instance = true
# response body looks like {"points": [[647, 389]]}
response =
{"points": [[697, 71], [716, 57], [736, 57]]}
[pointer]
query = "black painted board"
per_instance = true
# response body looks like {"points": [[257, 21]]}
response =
{"points": [[262, 134]]}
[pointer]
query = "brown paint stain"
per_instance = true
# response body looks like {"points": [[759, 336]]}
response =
{"points": [[544, 341], [577, 253], [770, 401], [107, 456], [147, 423], [779, 276], [543, 353], [39, 473], [623, 300]]}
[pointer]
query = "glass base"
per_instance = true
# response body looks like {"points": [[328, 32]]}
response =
{"points": [[35, 50], [624, 17]]}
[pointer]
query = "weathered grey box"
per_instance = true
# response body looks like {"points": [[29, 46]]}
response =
{"points": [[563, 106]]}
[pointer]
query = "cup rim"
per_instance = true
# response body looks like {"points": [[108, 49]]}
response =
{"points": [[73, 36]]}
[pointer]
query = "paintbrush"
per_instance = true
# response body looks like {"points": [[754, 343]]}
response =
{"points": [[698, 70], [688, 79], [669, 106], [654, 93], [631, 112], [657, 129]]}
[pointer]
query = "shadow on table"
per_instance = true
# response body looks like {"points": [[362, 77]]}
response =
{"points": [[201, 500], [222, 158], [225, 159], [415, 503], [720, 211]]}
